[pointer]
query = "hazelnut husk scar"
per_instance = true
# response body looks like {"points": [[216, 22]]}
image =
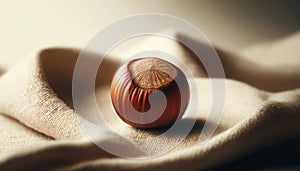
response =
{"points": [[149, 93]]}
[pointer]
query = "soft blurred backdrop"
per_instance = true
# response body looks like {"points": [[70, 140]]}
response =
{"points": [[231, 24]]}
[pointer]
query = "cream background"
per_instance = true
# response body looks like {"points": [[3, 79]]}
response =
{"points": [[233, 25]]}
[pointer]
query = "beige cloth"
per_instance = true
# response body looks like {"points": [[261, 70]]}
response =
{"points": [[40, 130]]}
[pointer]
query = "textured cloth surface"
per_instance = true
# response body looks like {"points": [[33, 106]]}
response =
{"points": [[40, 129]]}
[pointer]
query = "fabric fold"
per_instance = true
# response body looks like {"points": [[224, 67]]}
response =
{"points": [[37, 93], [27, 97]]}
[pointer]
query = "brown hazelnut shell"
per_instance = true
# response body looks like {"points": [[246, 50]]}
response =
{"points": [[130, 93]]}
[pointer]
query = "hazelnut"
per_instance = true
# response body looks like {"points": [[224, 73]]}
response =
{"points": [[149, 93]]}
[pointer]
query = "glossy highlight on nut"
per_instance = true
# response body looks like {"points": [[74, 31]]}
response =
{"points": [[149, 93]]}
